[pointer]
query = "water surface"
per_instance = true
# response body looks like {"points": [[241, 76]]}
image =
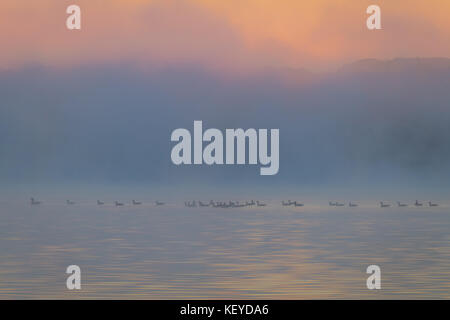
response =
{"points": [[171, 252]]}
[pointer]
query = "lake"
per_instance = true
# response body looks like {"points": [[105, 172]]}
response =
{"points": [[173, 252]]}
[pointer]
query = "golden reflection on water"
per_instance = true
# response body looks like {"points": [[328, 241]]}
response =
{"points": [[174, 252]]}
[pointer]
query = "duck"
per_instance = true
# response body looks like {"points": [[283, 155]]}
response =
{"points": [[201, 204], [34, 202], [384, 205], [431, 204], [260, 204]]}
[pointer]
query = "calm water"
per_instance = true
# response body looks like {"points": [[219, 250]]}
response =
{"points": [[177, 252]]}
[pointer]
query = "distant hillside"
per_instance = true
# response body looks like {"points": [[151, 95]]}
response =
{"points": [[398, 65]]}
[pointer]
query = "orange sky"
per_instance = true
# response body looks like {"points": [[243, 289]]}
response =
{"points": [[227, 34]]}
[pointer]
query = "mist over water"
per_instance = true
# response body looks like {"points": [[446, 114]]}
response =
{"points": [[370, 132], [112, 125]]}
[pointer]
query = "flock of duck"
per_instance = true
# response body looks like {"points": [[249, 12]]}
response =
{"points": [[416, 204], [384, 205], [219, 204], [99, 203], [237, 204]]}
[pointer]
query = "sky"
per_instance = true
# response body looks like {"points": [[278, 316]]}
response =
{"points": [[229, 36]]}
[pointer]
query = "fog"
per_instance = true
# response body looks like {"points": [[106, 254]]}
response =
{"points": [[358, 127]]}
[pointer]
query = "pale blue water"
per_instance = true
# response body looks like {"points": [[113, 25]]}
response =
{"points": [[177, 252]]}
